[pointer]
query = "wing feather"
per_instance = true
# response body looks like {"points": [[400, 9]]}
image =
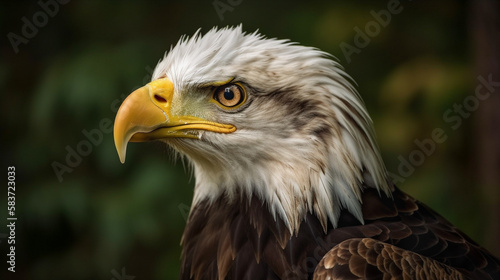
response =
{"points": [[366, 258]]}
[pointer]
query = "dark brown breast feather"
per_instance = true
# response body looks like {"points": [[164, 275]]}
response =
{"points": [[240, 239]]}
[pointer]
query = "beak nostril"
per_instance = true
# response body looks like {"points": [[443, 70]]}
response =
{"points": [[160, 99]]}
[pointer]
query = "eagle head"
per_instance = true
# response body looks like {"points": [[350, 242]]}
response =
{"points": [[259, 117]]}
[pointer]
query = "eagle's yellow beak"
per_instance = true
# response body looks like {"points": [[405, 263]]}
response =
{"points": [[145, 115]]}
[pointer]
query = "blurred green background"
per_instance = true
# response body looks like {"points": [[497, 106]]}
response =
{"points": [[99, 219]]}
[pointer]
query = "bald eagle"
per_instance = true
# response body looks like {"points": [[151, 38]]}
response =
{"points": [[289, 180]]}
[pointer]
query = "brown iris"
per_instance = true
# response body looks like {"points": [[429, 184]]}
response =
{"points": [[230, 95]]}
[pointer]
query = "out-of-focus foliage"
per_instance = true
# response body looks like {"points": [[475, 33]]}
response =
{"points": [[66, 82]]}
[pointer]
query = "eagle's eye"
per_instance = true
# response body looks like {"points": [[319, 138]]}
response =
{"points": [[230, 96]]}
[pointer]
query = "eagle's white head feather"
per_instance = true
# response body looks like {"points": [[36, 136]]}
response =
{"points": [[303, 142]]}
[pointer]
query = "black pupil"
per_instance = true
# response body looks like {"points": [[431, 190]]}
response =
{"points": [[228, 94]]}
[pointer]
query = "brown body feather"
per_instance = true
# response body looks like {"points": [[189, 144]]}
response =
{"points": [[240, 239]]}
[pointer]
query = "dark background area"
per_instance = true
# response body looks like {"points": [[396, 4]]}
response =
{"points": [[94, 218]]}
